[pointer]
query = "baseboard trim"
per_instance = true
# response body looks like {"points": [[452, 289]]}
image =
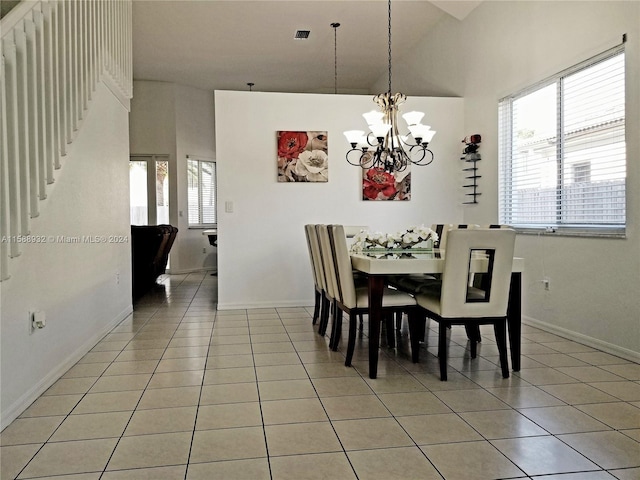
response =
{"points": [[606, 347], [280, 304], [20, 405], [190, 270]]}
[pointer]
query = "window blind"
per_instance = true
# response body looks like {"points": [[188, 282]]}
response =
{"points": [[562, 156], [201, 192]]}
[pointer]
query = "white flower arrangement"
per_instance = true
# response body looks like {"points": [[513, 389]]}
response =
{"points": [[412, 237]]}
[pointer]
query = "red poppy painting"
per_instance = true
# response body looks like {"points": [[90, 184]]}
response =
{"points": [[302, 156], [378, 184]]}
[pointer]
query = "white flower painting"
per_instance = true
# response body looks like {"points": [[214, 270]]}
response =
{"points": [[302, 156]]}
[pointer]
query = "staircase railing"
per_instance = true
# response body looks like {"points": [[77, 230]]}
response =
{"points": [[54, 52]]}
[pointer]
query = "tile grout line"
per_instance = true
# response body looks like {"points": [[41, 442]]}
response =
{"points": [[135, 409], [204, 373]]}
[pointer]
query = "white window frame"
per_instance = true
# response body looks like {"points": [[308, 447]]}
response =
{"points": [[505, 161], [152, 161], [200, 161]]}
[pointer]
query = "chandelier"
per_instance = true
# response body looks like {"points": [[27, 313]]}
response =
{"points": [[384, 147]]}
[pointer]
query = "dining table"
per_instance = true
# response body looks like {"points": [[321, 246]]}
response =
{"points": [[378, 265]]}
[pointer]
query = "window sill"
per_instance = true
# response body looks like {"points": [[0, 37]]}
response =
{"points": [[572, 231]]}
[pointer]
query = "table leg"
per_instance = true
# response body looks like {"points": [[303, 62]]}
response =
{"points": [[376, 287], [514, 319]]}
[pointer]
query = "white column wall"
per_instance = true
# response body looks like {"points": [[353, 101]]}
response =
{"points": [[263, 259], [195, 135]]}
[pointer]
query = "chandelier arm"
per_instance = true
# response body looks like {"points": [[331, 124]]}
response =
{"points": [[424, 150], [361, 154], [371, 135], [400, 164]]}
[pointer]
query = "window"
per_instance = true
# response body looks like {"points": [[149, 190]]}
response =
{"points": [[582, 172], [562, 151], [139, 202], [201, 186], [149, 189]]}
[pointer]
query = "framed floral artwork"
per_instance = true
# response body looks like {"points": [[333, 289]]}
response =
{"points": [[302, 156], [377, 184]]}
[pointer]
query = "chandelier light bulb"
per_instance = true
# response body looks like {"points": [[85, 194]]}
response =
{"points": [[419, 131], [374, 117], [413, 118], [428, 136], [380, 130], [354, 136]]}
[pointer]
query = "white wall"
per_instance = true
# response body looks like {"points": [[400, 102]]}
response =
{"points": [[176, 121], [500, 48], [195, 136], [263, 259], [74, 284]]}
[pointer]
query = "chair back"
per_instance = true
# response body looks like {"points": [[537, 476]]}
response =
{"points": [[442, 229], [343, 267], [496, 225], [351, 231], [314, 255], [327, 261], [473, 251]]}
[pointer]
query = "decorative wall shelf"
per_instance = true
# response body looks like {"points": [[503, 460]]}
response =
{"points": [[471, 157]]}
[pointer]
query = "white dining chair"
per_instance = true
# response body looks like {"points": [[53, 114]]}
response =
{"points": [[355, 300], [331, 292], [316, 268], [417, 283], [456, 302]]}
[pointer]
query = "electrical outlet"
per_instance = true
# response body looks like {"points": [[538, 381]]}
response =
{"points": [[546, 281], [204, 250], [31, 327], [117, 278]]}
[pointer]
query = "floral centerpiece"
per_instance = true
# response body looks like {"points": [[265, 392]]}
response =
{"points": [[411, 238]]}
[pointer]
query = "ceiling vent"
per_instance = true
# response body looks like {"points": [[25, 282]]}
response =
{"points": [[302, 34]]}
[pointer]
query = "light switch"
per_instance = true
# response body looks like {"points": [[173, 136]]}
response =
{"points": [[228, 207]]}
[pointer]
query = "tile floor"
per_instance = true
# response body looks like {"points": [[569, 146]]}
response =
{"points": [[182, 391]]}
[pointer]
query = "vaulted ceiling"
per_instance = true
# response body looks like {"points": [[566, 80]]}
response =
{"points": [[226, 44]]}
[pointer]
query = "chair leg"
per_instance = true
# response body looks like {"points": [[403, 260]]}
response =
{"points": [[336, 330], [361, 321], [333, 325], [416, 331], [391, 337], [473, 334], [442, 350], [351, 343], [316, 307], [398, 321], [422, 334], [473, 331], [500, 329], [324, 316]]}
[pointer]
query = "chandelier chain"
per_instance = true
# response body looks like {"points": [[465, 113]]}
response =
{"points": [[335, 26], [389, 28], [335, 60]]}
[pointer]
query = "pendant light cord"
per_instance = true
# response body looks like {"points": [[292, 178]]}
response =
{"points": [[335, 26]]}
